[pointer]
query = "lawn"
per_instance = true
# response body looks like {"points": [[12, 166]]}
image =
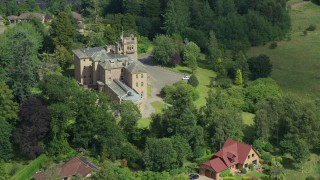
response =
{"points": [[296, 63], [310, 168], [204, 75], [30, 169], [247, 118]]}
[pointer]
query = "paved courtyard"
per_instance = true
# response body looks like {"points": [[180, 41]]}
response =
{"points": [[158, 78]]}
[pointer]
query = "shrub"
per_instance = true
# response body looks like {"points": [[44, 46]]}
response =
{"points": [[310, 178], [311, 27], [225, 173], [229, 178], [193, 81], [243, 170], [143, 44], [224, 83], [305, 32], [273, 45], [251, 167]]}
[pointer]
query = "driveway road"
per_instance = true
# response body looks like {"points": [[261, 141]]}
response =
{"points": [[158, 78]]}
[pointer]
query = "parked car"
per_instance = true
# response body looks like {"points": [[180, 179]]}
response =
{"points": [[186, 77], [193, 176]]}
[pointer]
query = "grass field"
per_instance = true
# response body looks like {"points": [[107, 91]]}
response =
{"points": [[310, 168], [145, 122], [296, 62], [30, 169], [204, 75]]}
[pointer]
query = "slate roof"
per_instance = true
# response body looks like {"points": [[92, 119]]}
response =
{"points": [[231, 149], [107, 60], [76, 16], [12, 18], [28, 15], [124, 91], [135, 68], [77, 166]]}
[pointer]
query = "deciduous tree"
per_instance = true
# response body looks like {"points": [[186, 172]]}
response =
{"points": [[260, 66], [33, 126], [160, 155], [164, 49], [190, 55]]}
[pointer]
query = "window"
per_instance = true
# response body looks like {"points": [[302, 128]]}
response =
{"points": [[121, 78], [90, 75], [84, 76], [137, 84], [141, 75], [137, 76], [249, 157], [246, 165], [252, 155], [121, 69], [141, 83], [141, 93]]}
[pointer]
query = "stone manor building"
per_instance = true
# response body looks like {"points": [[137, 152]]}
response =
{"points": [[114, 70]]}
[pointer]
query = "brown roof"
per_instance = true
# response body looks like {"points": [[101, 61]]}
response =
{"points": [[28, 15], [39, 175], [11, 18], [216, 164], [232, 153], [76, 16], [76, 166]]}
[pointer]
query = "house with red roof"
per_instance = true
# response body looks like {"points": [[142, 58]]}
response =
{"points": [[80, 167], [233, 155], [77, 167]]}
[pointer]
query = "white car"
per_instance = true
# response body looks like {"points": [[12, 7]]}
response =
{"points": [[185, 77]]}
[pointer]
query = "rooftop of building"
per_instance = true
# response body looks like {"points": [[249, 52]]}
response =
{"points": [[123, 91], [232, 152], [109, 60]]}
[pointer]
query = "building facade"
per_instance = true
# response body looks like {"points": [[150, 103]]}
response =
{"points": [[114, 70]]}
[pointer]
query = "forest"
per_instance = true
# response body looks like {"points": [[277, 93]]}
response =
{"points": [[44, 111]]}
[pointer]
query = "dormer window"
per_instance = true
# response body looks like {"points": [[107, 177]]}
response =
{"points": [[231, 157]]}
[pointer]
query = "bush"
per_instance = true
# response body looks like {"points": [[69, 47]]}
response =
{"points": [[193, 81], [310, 178], [251, 167], [311, 27], [229, 178], [224, 83], [143, 44], [273, 45], [243, 170], [305, 32], [225, 173]]}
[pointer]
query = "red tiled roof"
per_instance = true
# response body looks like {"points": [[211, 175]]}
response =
{"points": [[230, 150], [75, 167], [39, 175], [216, 164]]}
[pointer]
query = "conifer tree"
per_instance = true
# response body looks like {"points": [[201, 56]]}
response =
{"points": [[238, 80]]}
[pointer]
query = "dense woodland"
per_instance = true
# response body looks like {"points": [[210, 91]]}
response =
{"points": [[43, 110]]}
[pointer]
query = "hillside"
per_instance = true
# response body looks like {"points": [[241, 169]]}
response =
{"points": [[296, 63]]}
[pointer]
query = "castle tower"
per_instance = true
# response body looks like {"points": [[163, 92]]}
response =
{"points": [[127, 46]]}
